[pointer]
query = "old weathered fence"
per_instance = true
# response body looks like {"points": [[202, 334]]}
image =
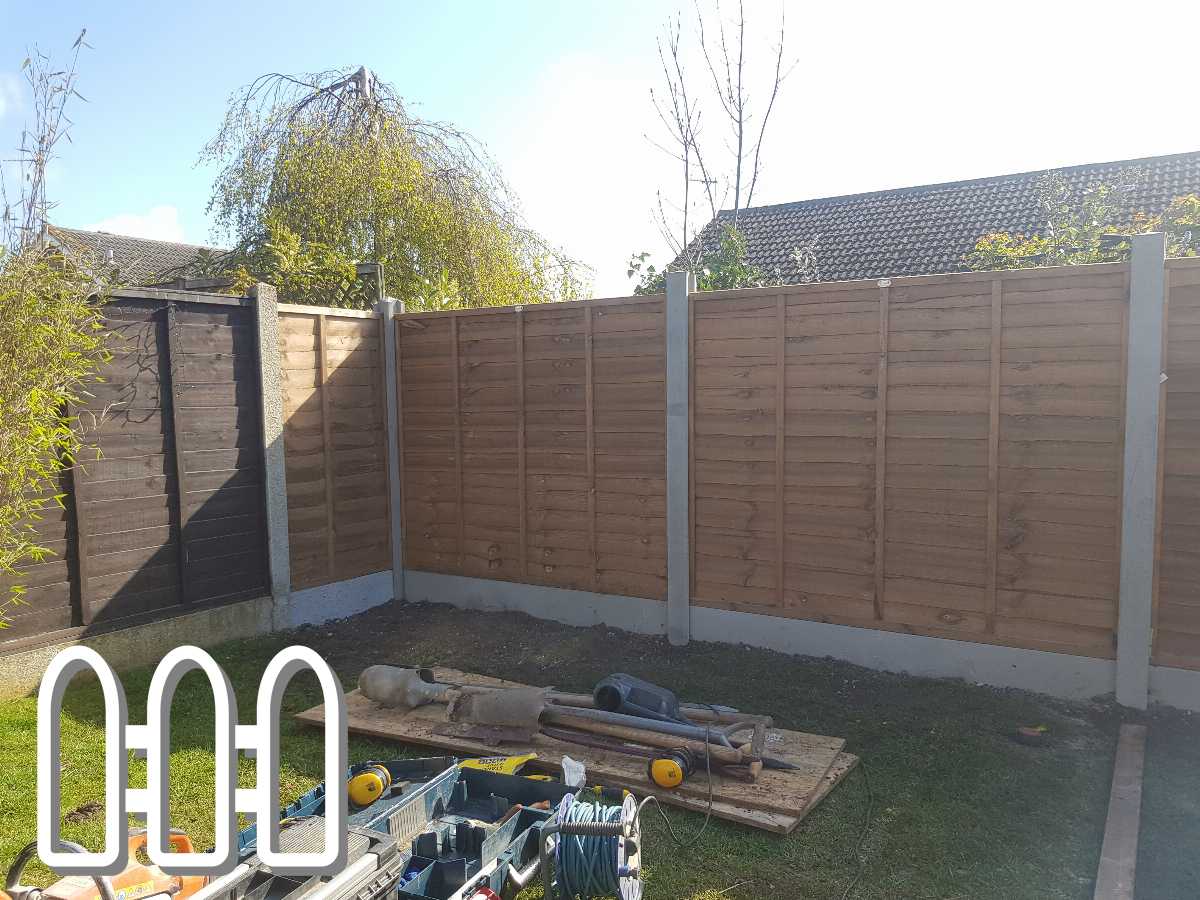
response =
{"points": [[168, 514]]}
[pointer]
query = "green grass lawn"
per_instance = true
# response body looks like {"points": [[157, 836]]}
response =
{"points": [[956, 808]]}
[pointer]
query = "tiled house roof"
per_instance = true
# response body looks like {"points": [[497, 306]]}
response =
{"points": [[134, 261], [927, 229]]}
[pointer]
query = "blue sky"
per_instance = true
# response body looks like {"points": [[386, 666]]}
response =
{"points": [[896, 95]]}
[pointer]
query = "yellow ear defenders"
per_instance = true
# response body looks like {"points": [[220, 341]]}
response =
{"points": [[668, 770], [369, 785]]}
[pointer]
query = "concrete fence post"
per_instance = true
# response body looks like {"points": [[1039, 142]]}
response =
{"points": [[679, 574], [266, 315], [391, 396], [1139, 516]]}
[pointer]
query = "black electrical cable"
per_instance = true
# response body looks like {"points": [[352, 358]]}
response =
{"points": [[691, 842]]}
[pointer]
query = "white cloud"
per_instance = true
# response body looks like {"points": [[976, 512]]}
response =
{"points": [[160, 223], [10, 94]]}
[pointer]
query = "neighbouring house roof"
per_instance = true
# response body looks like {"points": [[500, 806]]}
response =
{"points": [[133, 261], [927, 229]]}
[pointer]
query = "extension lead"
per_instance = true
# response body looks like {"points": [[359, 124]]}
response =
{"points": [[598, 847], [597, 853]]}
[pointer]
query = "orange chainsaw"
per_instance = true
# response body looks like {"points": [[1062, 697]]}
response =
{"points": [[137, 882]]}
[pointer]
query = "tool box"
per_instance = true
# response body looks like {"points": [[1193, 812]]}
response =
{"points": [[439, 831]]}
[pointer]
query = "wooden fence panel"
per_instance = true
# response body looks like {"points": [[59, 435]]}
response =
{"points": [[533, 444], [559, 445], [943, 458], [936, 457], [484, 390], [125, 487], [1062, 389], [1177, 612], [430, 436], [627, 392], [49, 597], [165, 506], [335, 445], [218, 450], [736, 486]]}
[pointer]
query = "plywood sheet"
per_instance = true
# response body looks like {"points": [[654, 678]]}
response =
{"points": [[776, 802]]}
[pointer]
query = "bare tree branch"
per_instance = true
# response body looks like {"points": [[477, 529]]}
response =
{"points": [[729, 161], [780, 76], [26, 215]]}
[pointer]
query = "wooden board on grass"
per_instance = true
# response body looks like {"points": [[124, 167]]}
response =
{"points": [[776, 802]]}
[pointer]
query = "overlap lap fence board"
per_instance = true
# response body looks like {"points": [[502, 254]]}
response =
{"points": [[165, 508], [943, 456], [533, 444], [48, 599], [335, 445], [1177, 613], [1061, 448], [216, 429]]}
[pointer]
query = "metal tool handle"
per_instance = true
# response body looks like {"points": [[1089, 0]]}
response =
{"points": [[103, 883]]}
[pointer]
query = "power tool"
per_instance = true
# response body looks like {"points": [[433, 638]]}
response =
{"points": [[138, 881]]}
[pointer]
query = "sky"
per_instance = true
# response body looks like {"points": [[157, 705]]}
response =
{"points": [[880, 96]]}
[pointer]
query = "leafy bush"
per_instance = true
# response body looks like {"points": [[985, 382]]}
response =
{"points": [[1088, 228], [1180, 221], [303, 272], [721, 269], [51, 341]]}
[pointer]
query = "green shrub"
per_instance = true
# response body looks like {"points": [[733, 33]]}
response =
{"points": [[51, 341], [723, 268], [1086, 227]]}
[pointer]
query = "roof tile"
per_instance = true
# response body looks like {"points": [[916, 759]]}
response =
{"points": [[928, 229], [136, 261]]}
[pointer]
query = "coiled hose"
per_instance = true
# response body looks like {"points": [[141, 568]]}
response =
{"points": [[596, 851], [586, 855]]}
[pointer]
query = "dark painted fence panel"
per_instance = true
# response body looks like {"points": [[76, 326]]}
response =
{"points": [[165, 508]]}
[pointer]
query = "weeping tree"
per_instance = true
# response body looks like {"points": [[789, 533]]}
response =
{"points": [[321, 171]]}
